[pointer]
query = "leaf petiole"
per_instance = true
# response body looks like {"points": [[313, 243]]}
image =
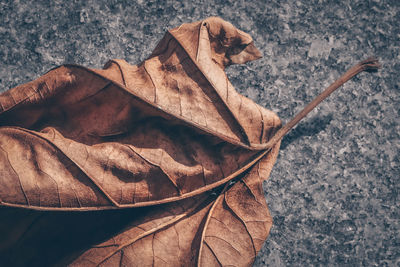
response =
{"points": [[369, 64]]}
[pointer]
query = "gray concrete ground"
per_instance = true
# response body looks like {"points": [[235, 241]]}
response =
{"points": [[334, 191]]}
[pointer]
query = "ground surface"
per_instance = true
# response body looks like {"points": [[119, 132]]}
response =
{"points": [[334, 191]]}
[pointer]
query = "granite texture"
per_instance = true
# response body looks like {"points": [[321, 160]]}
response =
{"points": [[334, 191]]}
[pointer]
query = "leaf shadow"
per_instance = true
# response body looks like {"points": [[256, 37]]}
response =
{"points": [[308, 128]]}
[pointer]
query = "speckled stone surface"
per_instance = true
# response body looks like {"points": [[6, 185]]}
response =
{"points": [[334, 191]]}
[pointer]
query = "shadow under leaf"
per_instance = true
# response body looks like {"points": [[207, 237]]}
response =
{"points": [[308, 128]]}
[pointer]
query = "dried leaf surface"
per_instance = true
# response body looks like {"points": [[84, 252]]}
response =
{"points": [[162, 133], [224, 230]]}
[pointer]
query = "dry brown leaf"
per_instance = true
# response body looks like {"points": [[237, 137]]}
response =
{"points": [[169, 129], [148, 152]]}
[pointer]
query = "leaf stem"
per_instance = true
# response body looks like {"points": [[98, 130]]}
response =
{"points": [[365, 65]]}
